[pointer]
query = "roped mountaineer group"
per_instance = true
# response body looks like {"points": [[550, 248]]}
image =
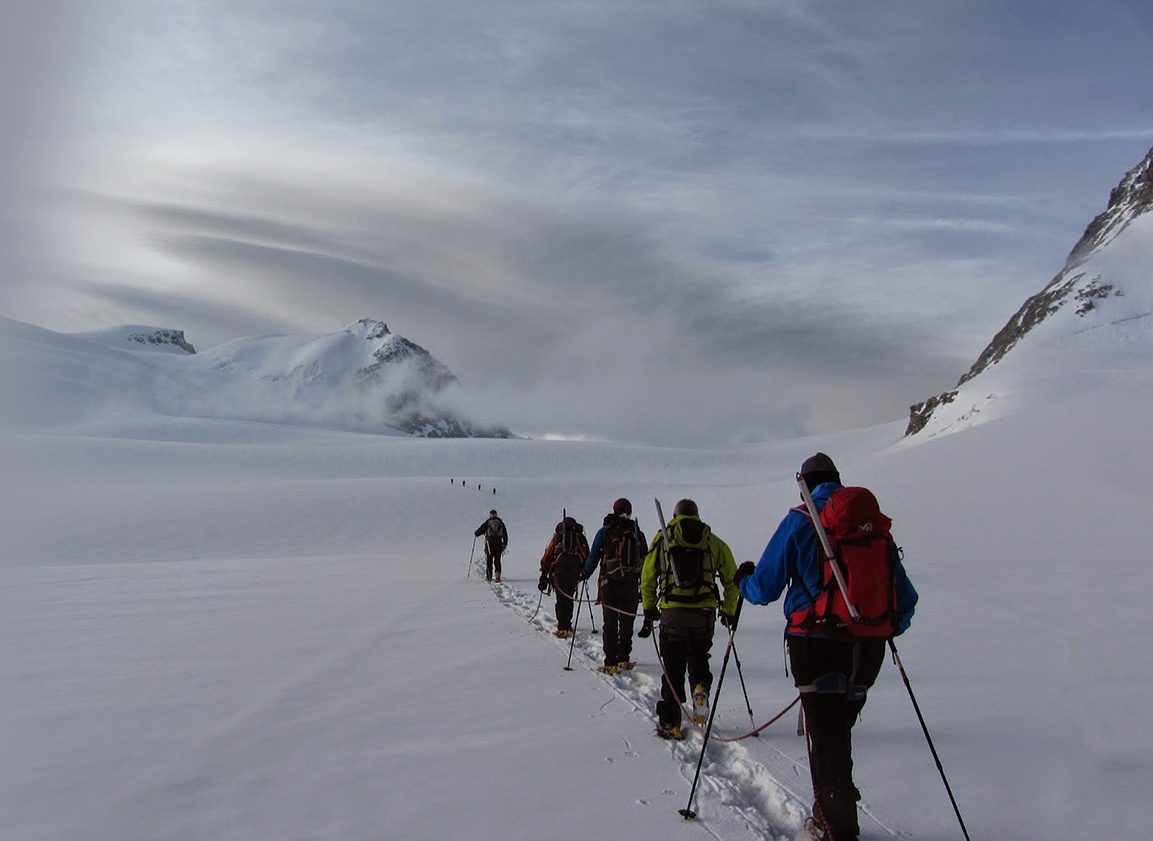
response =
{"points": [[687, 578]]}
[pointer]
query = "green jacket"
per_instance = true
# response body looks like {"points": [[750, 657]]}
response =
{"points": [[719, 563]]}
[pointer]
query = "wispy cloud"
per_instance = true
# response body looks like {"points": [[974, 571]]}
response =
{"points": [[763, 200]]}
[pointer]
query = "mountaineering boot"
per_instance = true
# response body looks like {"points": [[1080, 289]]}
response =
{"points": [[625, 665], [816, 828], [498, 578], [608, 669], [835, 812], [670, 731], [562, 633], [700, 704]]}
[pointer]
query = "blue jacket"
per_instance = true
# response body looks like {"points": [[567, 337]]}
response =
{"points": [[597, 550], [791, 558]]}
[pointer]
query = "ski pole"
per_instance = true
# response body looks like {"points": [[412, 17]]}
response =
{"points": [[687, 813], [592, 617], [740, 674], [572, 633], [470, 554], [928, 738]]}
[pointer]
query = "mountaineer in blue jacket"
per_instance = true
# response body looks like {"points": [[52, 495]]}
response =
{"points": [[832, 669]]}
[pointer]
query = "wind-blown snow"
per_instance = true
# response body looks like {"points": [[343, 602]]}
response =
{"points": [[236, 630]]}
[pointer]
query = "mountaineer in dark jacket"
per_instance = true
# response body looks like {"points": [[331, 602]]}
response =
{"points": [[560, 568], [495, 542], [618, 549]]}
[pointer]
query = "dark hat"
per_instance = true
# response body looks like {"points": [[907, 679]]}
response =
{"points": [[492, 513], [622, 506], [686, 508], [820, 463], [818, 469]]}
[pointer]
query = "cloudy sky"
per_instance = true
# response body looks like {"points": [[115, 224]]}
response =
{"points": [[679, 222]]}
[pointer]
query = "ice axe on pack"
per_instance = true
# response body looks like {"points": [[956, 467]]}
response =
{"points": [[667, 543], [823, 536]]}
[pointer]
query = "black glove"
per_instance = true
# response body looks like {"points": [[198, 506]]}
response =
{"points": [[744, 571], [728, 621], [542, 585], [653, 614], [646, 630]]}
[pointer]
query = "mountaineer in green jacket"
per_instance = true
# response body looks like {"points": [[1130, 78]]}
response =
{"points": [[679, 590]]}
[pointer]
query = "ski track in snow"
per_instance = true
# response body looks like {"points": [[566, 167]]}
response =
{"points": [[737, 791]]}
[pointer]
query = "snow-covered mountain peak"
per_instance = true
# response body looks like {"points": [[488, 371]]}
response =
{"points": [[369, 329], [1102, 298], [362, 377], [1128, 200]]}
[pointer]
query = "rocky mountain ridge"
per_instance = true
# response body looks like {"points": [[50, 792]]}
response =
{"points": [[1074, 287]]}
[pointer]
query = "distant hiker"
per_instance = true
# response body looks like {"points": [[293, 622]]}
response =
{"points": [[834, 658], [495, 542], [617, 548], [560, 567], [682, 580]]}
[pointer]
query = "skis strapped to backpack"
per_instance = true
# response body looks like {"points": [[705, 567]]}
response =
{"points": [[858, 562]]}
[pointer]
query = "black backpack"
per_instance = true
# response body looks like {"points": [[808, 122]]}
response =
{"points": [[687, 574], [570, 548], [622, 551], [495, 534]]}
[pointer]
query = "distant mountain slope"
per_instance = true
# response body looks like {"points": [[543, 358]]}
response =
{"points": [[136, 337], [1103, 295], [362, 377]]}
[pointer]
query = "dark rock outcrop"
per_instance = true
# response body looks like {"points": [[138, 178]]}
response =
{"points": [[163, 337]]}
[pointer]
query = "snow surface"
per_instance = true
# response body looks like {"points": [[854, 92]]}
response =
{"points": [[237, 630]]}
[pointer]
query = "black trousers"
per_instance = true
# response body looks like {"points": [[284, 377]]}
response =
{"points": [[619, 600], [565, 580], [491, 560], [686, 639], [841, 673]]}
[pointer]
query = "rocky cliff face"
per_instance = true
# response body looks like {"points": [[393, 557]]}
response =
{"points": [[394, 350], [411, 406], [1075, 288], [161, 337]]}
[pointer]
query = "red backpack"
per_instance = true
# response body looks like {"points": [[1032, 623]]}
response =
{"points": [[859, 535]]}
